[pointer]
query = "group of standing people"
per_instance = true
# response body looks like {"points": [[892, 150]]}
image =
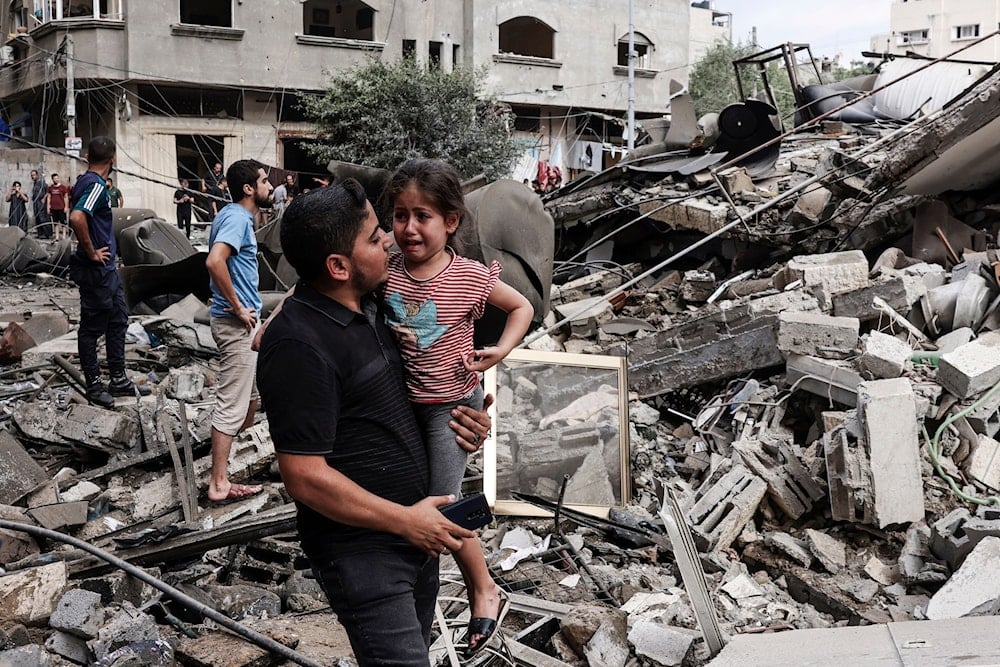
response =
{"points": [[367, 372], [49, 205]]}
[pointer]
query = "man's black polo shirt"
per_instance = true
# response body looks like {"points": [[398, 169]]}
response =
{"points": [[331, 382]]}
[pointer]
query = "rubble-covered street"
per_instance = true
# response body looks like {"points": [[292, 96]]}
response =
{"points": [[812, 451]]}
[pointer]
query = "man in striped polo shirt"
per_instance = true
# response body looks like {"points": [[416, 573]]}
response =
{"points": [[93, 268]]}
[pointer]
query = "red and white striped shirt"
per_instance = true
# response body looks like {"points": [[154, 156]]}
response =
{"points": [[433, 322]]}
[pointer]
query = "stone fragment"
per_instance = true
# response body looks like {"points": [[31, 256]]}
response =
{"points": [[695, 214], [887, 411], [954, 339], [81, 491], [973, 367], [29, 596], [848, 476], [582, 621], [790, 546], [15, 545], [828, 378], [828, 550], [69, 646], [93, 427], [663, 644], [809, 206], [697, 286], [859, 303], [789, 484], [186, 383], [882, 572], [818, 335], [79, 612], [608, 646], [224, 649], [19, 473], [31, 655], [127, 626], [974, 588], [239, 602], [736, 180], [862, 590], [742, 587], [60, 515], [884, 356]]}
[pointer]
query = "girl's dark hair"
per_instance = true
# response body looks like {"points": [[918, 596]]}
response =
{"points": [[437, 179]]}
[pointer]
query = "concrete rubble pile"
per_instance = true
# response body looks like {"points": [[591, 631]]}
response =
{"points": [[825, 418]]}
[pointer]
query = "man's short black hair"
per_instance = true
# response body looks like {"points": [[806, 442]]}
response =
{"points": [[321, 223], [100, 150], [240, 173]]}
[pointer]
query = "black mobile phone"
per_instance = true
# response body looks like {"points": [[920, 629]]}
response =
{"points": [[470, 512]]}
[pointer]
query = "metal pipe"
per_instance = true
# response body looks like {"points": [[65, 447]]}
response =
{"points": [[257, 638]]}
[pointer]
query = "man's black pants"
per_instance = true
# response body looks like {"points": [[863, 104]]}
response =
{"points": [[102, 313]]}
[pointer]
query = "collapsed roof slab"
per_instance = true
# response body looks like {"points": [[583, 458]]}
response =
{"points": [[955, 149]]}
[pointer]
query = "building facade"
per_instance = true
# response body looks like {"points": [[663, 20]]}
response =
{"points": [[936, 28], [181, 84]]}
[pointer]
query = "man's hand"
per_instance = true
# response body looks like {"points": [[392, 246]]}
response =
{"points": [[471, 427], [426, 528], [101, 255], [248, 316]]}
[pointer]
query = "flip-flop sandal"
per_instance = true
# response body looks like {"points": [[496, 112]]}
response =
{"points": [[486, 626]]}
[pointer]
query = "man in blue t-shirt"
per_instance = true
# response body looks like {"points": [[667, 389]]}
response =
{"points": [[92, 267], [232, 267]]}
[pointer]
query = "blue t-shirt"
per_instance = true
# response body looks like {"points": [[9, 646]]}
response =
{"points": [[234, 227], [90, 195]]}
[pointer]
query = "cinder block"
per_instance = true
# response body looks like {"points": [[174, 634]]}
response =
{"points": [[848, 476], [888, 414], [724, 503], [815, 334], [949, 541], [973, 367]]}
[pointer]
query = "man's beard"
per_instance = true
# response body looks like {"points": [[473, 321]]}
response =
{"points": [[264, 202]]}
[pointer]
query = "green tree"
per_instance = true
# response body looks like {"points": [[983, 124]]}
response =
{"points": [[379, 114]]}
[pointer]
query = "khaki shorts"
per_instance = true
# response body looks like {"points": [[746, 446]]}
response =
{"points": [[237, 385]]}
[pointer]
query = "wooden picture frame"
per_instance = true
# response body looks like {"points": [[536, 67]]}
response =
{"points": [[558, 414]]}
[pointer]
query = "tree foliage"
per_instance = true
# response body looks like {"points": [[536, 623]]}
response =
{"points": [[380, 114]]}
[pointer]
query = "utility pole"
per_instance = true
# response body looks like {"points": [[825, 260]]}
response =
{"points": [[630, 118], [70, 100]]}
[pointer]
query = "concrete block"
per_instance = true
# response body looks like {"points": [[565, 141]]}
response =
{"points": [[608, 647], [185, 384], [828, 550], [949, 541], [985, 419], [736, 180], [974, 588], [664, 644], [954, 339], [81, 491], [831, 379], [883, 573], [795, 549], [79, 612], [830, 273], [239, 602], [694, 214], [983, 463], [697, 286], [723, 504], [973, 367], [858, 303], [19, 473], [884, 356], [30, 596], [817, 335], [888, 414], [69, 646], [797, 300]]}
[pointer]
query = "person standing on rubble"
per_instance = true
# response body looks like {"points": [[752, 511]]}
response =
{"points": [[17, 215], [93, 268], [55, 207], [182, 199], [348, 444], [236, 304], [38, 190]]}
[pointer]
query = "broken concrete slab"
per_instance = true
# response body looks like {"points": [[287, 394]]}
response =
{"points": [[128, 625], [859, 303], [830, 273], [974, 588], [849, 476], [663, 644], [61, 515], [22, 656], [70, 647], [983, 463], [828, 550], [830, 379], [19, 473], [104, 430], [789, 484], [30, 596], [887, 411]]}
